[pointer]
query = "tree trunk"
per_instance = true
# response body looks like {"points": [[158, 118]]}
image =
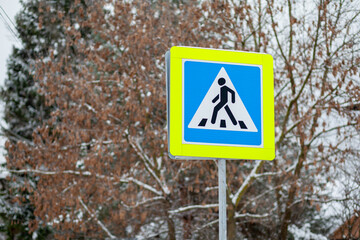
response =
{"points": [[292, 192], [287, 214], [231, 224], [171, 229]]}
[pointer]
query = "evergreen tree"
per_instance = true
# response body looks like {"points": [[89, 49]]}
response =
{"points": [[40, 29]]}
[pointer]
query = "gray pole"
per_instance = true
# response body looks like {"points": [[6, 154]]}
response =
{"points": [[222, 199]]}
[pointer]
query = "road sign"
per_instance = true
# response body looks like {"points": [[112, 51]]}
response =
{"points": [[220, 104]]}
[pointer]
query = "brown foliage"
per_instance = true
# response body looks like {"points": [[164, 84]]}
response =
{"points": [[102, 156]]}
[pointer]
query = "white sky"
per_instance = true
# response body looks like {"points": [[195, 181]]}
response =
{"points": [[11, 7]]}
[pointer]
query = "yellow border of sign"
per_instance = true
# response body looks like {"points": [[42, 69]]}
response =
{"points": [[180, 150]]}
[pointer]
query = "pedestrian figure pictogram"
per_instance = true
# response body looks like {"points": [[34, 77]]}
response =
{"points": [[222, 108], [223, 95]]}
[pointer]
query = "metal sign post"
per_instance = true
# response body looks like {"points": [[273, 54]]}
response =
{"points": [[222, 199]]}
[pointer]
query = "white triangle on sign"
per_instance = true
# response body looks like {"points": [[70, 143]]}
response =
{"points": [[240, 119]]}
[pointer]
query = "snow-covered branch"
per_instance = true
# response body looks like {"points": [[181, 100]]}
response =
{"points": [[237, 196], [207, 225], [129, 207], [148, 165], [141, 184], [321, 200], [140, 152], [103, 227], [88, 174], [72, 172], [266, 174], [188, 208], [249, 215], [236, 216], [89, 107], [208, 189], [252, 200], [330, 130]]}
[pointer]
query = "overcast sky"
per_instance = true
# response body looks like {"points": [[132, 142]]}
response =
{"points": [[11, 7]]}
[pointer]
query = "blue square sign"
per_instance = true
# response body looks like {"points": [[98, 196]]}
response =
{"points": [[222, 103]]}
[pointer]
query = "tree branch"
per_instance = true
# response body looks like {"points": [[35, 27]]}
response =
{"points": [[252, 215], [97, 220], [191, 207], [87, 173], [148, 165], [241, 191], [128, 207]]}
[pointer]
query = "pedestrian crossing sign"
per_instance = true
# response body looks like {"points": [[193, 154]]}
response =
{"points": [[220, 104]]}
